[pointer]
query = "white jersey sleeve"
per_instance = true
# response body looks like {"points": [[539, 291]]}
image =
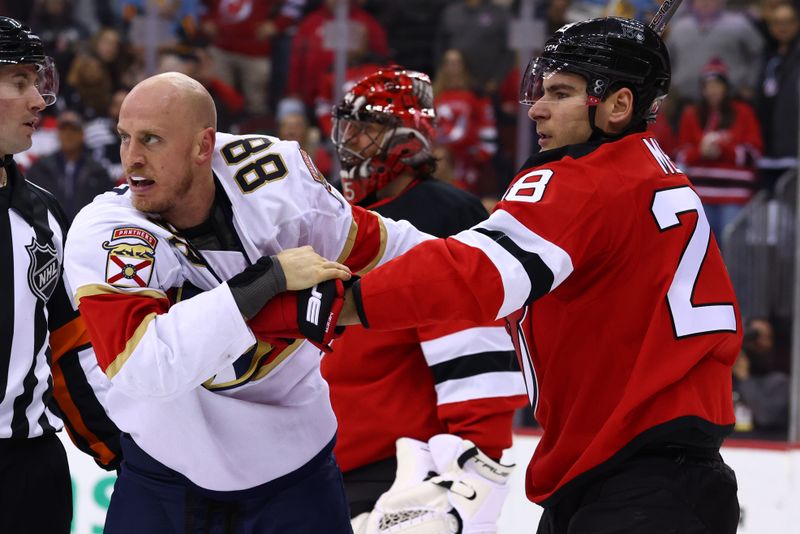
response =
{"points": [[122, 268]]}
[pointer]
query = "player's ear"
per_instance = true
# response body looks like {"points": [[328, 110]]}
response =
{"points": [[206, 139], [619, 108]]}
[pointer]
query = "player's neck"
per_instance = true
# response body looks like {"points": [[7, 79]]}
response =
{"points": [[196, 205]]}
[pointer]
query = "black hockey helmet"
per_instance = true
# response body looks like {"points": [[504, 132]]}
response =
{"points": [[19, 46], [609, 52]]}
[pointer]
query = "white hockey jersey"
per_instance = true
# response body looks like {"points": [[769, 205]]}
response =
{"points": [[189, 381]]}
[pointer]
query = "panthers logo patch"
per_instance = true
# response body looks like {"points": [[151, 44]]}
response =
{"points": [[131, 256]]}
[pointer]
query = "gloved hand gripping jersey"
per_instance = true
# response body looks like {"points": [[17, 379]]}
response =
{"points": [[445, 486], [310, 313]]}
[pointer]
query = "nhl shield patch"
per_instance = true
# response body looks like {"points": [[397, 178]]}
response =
{"points": [[43, 270], [131, 256]]}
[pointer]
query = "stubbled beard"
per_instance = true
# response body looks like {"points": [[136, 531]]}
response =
{"points": [[162, 206]]}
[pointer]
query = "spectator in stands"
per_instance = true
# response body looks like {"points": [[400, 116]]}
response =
{"points": [[197, 63], [634, 9], [479, 29], [96, 14], [719, 143], [361, 61], [409, 25], [241, 35], [175, 21], [710, 30], [89, 86], [71, 174], [465, 125], [758, 385], [292, 10], [665, 127], [555, 13], [758, 12], [293, 126], [310, 59], [777, 100], [116, 57], [60, 31], [101, 137], [107, 66]]}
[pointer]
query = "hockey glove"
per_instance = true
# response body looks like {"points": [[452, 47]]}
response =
{"points": [[258, 283], [462, 493], [309, 313]]}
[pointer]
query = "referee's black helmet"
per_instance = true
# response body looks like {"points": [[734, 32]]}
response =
{"points": [[20, 46]]}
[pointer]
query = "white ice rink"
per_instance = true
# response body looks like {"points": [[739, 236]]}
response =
{"points": [[768, 474]]}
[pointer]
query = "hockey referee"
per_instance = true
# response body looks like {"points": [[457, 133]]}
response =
{"points": [[45, 357]]}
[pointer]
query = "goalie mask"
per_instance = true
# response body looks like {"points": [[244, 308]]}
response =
{"points": [[383, 128], [610, 53], [18, 46]]}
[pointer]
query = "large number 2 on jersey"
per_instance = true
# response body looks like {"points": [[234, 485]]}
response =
{"points": [[688, 319], [258, 172]]}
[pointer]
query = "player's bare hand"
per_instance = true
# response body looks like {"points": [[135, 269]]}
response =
{"points": [[303, 268]]}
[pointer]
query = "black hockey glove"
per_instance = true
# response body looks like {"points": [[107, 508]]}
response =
{"points": [[310, 313], [257, 284]]}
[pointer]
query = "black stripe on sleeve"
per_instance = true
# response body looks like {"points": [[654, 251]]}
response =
{"points": [[47, 400], [85, 400], [6, 293], [539, 273], [20, 427], [475, 364]]}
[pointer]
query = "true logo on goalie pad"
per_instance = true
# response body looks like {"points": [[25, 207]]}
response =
{"points": [[131, 256]]}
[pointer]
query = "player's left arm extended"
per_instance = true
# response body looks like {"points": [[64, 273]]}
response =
{"points": [[479, 275]]}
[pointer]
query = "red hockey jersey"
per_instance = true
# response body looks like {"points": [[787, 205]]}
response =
{"points": [[625, 322]]}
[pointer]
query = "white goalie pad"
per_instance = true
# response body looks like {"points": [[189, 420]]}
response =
{"points": [[445, 486]]}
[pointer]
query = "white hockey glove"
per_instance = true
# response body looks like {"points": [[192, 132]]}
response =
{"points": [[447, 486]]}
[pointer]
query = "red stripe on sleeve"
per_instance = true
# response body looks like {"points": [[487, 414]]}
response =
{"points": [[112, 319], [368, 241]]}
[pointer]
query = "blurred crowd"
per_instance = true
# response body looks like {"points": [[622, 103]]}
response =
{"points": [[730, 121]]}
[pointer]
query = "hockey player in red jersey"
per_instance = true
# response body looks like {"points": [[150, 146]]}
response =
{"points": [[437, 391], [600, 259]]}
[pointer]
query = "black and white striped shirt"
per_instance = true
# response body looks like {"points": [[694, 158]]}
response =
{"points": [[46, 361]]}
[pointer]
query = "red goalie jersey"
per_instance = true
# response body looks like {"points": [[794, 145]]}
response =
{"points": [[600, 258]]}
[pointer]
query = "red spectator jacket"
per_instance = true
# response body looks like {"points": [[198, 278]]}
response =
{"points": [[309, 61], [731, 177]]}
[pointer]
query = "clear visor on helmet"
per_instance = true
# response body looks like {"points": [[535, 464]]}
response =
{"points": [[552, 81], [18, 82], [356, 140]]}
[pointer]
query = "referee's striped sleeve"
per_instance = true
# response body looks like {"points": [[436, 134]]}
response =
{"points": [[78, 384]]}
